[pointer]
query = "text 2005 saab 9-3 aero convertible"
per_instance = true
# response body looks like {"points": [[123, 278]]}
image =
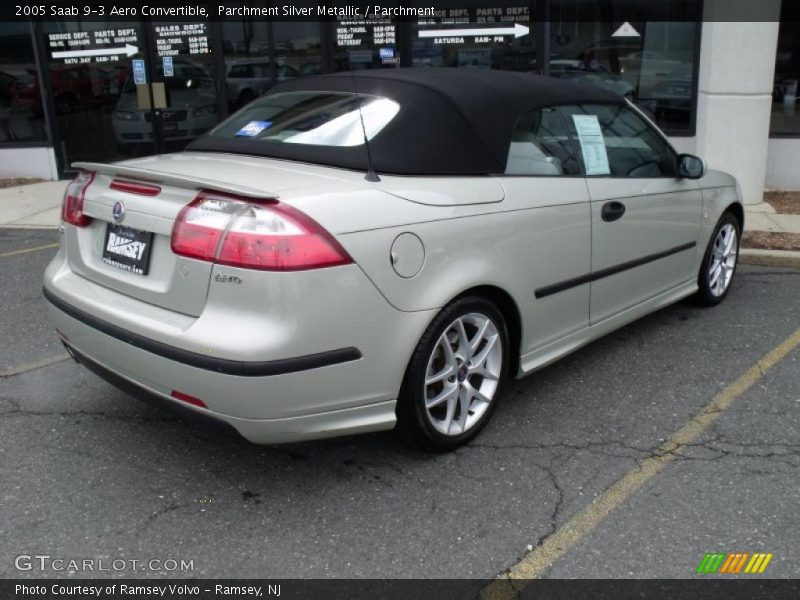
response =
{"points": [[261, 279]]}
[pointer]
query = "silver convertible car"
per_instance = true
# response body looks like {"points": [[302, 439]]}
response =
{"points": [[364, 251]]}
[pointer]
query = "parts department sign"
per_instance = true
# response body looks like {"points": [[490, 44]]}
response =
{"points": [[109, 44]]}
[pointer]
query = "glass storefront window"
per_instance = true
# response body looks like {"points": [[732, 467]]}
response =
{"points": [[650, 63], [259, 54], [611, 44], [785, 107], [364, 44], [503, 38], [298, 49], [124, 89], [95, 116], [190, 74], [248, 71], [21, 114]]}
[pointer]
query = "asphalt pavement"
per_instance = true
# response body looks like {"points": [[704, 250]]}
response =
{"points": [[86, 472]]}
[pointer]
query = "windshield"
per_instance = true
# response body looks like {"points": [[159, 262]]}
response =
{"points": [[319, 118]]}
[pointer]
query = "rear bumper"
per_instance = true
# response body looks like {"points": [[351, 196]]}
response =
{"points": [[204, 361], [377, 417], [275, 388]]}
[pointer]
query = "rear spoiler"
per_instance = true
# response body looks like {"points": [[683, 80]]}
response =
{"points": [[196, 183]]}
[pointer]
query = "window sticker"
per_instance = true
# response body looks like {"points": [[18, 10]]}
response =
{"points": [[139, 76], [593, 146], [253, 128]]}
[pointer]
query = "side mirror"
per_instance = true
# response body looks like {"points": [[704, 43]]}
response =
{"points": [[691, 167]]}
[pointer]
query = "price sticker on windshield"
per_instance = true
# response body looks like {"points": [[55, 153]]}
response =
{"points": [[593, 146]]}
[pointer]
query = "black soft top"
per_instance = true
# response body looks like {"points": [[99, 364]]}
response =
{"points": [[451, 121]]}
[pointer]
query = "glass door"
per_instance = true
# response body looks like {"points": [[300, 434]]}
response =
{"points": [[91, 92], [182, 90]]}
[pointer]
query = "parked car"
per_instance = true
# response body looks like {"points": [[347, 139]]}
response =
{"points": [[671, 96], [281, 279], [8, 81], [191, 111], [74, 88], [575, 70], [249, 78]]}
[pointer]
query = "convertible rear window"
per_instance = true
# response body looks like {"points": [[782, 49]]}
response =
{"points": [[307, 117]]}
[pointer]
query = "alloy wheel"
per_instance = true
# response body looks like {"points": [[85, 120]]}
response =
{"points": [[723, 260], [463, 374]]}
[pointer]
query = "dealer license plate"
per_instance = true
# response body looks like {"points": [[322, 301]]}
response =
{"points": [[127, 248]]}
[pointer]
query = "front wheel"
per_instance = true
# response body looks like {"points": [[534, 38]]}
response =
{"points": [[719, 262], [453, 380]]}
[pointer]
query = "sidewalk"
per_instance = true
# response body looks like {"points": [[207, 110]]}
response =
{"points": [[34, 206], [763, 218]]}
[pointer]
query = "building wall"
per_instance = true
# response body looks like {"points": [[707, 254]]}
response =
{"points": [[37, 162], [783, 164], [736, 80]]}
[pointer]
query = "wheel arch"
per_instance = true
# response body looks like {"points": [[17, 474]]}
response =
{"points": [[737, 210], [508, 308]]}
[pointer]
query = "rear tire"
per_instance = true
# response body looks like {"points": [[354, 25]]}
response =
{"points": [[719, 262], [453, 381]]}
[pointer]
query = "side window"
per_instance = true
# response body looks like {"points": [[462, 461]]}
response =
{"points": [[540, 145], [624, 146]]}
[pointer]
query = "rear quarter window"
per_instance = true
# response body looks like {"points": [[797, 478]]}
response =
{"points": [[316, 118]]}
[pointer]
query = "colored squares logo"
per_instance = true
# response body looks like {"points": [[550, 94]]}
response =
{"points": [[734, 563]]}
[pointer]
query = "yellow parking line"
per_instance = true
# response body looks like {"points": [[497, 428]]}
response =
{"points": [[26, 250], [536, 562], [45, 362]]}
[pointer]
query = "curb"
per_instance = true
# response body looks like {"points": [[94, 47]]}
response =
{"points": [[770, 258]]}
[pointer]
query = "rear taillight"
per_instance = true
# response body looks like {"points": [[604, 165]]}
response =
{"points": [[72, 207], [253, 234]]}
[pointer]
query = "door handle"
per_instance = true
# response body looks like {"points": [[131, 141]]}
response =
{"points": [[612, 211]]}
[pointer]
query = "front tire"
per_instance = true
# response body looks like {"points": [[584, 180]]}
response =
{"points": [[719, 262], [454, 378]]}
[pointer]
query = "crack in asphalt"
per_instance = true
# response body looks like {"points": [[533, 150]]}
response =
{"points": [[18, 411], [556, 506]]}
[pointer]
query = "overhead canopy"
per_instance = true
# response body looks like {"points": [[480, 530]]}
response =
{"points": [[451, 121]]}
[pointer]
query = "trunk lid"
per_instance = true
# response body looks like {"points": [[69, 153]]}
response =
{"points": [[181, 284], [172, 282]]}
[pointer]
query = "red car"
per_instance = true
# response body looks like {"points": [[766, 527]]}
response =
{"points": [[73, 86]]}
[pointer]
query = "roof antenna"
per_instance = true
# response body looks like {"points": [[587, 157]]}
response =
{"points": [[371, 175]]}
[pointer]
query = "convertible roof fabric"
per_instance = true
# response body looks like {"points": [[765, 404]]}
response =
{"points": [[451, 121]]}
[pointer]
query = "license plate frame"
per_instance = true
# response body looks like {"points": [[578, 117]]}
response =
{"points": [[124, 250]]}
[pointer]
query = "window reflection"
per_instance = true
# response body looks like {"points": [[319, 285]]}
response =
{"points": [[21, 114], [259, 54], [785, 108], [649, 63]]}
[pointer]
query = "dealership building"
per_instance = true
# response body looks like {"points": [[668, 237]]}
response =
{"points": [[723, 88]]}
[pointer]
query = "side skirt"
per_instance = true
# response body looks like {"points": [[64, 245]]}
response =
{"points": [[541, 357]]}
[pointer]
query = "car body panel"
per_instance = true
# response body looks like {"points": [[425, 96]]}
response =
{"points": [[661, 215], [533, 224], [233, 327]]}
